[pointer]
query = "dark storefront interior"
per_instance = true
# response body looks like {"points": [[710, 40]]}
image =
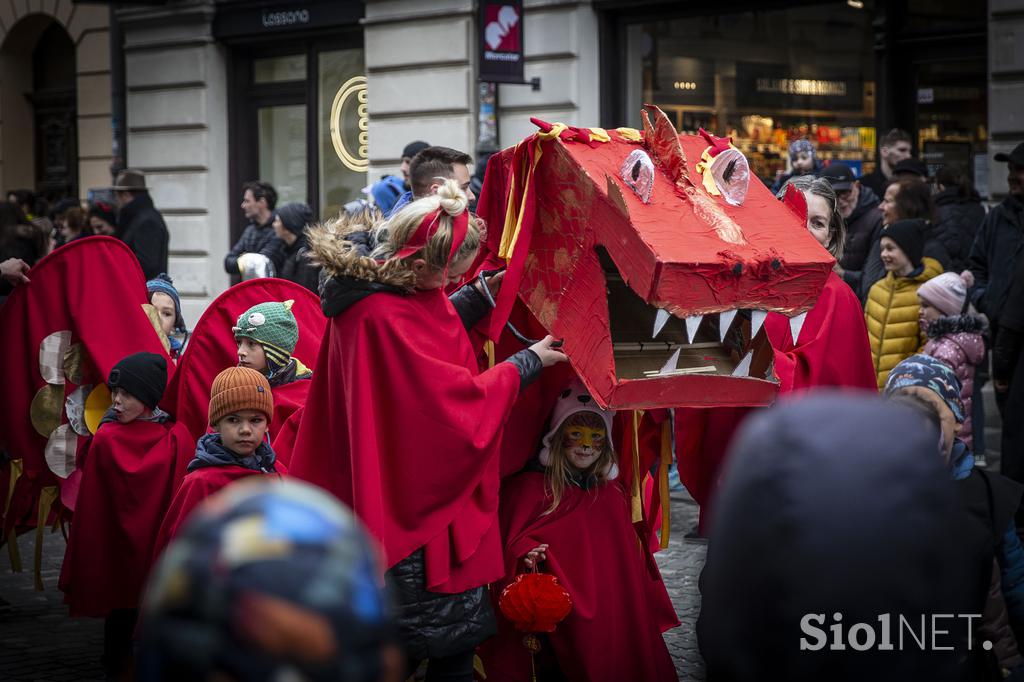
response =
{"points": [[839, 73]]}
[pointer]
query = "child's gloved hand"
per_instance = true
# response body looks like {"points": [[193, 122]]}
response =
{"points": [[535, 556]]}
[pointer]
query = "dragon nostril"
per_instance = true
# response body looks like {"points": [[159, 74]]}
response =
{"points": [[737, 269], [776, 264]]}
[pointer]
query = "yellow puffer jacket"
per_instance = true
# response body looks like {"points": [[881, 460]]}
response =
{"points": [[891, 314]]}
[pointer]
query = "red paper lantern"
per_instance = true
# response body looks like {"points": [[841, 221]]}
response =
{"points": [[535, 602]]}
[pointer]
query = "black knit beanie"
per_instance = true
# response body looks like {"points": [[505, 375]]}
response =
{"points": [[295, 215], [909, 236], [143, 375]]}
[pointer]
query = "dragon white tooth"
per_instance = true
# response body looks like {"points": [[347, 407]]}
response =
{"points": [[743, 369], [724, 322], [670, 366], [692, 323], [757, 318], [796, 323], [660, 320]]}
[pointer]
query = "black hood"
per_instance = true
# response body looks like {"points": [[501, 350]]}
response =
{"points": [[866, 201], [952, 195], [831, 504], [954, 324], [341, 292]]}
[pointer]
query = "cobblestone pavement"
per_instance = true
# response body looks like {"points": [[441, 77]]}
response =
{"points": [[39, 642]]}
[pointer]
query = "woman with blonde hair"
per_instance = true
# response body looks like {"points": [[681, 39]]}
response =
{"points": [[568, 514], [400, 423]]}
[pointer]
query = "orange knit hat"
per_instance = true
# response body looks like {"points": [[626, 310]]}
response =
{"points": [[240, 388]]}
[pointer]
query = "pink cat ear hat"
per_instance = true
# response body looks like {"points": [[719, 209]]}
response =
{"points": [[574, 399]]}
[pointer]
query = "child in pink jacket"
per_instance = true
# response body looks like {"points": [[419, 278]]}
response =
{"points": [[955, 336]]}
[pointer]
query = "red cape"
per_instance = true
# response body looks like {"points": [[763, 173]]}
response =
{"points": [[212, 348], [196, 487], [94, 289], [401, 426], [130, 474], [832, 350], [620, 605]]}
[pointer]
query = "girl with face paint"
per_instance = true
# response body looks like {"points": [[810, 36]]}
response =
{"points": [[568, 514]]}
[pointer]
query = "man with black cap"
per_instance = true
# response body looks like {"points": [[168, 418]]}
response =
{"points": [[858, 205], [910, 169], [140, 225], [997, 247]]}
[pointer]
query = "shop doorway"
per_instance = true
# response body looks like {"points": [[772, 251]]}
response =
{"points": [[39, 109], [298, 121]]}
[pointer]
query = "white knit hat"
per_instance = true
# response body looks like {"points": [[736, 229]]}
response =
{"points": [[573, 400]]}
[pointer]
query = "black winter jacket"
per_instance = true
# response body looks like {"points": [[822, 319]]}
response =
{"points": [[957, 219], [142, 228], [432, 624], [296, 266], [259, 239], [860, 227], [994, 254]]}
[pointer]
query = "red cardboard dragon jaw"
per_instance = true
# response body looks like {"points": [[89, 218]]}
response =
{"points": [[641, 251]]}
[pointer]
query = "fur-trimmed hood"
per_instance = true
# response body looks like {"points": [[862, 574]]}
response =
{"points": [[341, 248], [957, 324]]}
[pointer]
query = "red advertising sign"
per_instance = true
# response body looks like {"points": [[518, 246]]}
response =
{"points": [[501, 41]]}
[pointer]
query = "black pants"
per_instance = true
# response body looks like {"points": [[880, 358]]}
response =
{"points": [[455, 668], [118, 630]]}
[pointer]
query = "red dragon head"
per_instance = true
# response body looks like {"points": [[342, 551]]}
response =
{"points": [[641, 251]]}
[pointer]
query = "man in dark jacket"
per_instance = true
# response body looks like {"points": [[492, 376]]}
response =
{"points": [[859, 208], [998, 246], [892, 148], [258, 202], [1008, 373], [958, 213], [140, 225]]}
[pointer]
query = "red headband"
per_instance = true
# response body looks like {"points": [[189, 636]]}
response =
{"points": [[428, 227]]}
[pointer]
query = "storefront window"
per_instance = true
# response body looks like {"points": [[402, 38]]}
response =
{"points": [[764, 78], [342, 123], [282, 140], [279, 69]]}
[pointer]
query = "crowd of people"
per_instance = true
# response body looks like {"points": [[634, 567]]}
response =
{"points": [[399, 421]]}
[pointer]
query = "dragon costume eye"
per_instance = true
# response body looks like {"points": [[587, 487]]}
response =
{"points": [[638, 173], [732, 175]]}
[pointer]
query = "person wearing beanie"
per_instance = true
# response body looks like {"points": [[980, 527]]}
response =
{"points": [[241, 406], [290, 227], [991, 501], [956, 337], [130, 470], [165, 299], [267, 334], [565, 513], [892, 307], [103, 218], [802, 161]]}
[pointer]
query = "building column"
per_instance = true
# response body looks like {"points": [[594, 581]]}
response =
{"points": [[1005, 87], [177, 126], [420, 78]]}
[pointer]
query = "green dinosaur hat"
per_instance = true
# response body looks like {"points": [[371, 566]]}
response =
{"points": [[273, 326]]}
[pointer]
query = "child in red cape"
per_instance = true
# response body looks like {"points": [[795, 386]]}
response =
{"points": [[131, 468], [568, 511], [266, 335], [401, 424], [240, 407]]}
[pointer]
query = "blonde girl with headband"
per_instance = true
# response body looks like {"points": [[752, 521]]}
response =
{"points": [[568, 514], [400, 423]]}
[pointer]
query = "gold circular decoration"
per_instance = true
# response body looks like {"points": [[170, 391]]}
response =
{"points": [[51, 357], [46, 409], [73, 363], [96, 405], [61, 450], [355, 86], [154, 319]]}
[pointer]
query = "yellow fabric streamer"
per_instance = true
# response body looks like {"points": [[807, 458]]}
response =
{"points": [[629, 134], [704, 168], [47, 496], [666, 462], [17, 467], [599, 135], [489, 349], [636, 498]]}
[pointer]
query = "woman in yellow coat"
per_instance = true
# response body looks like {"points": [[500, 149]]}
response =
{"points": [[892, 308]]}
